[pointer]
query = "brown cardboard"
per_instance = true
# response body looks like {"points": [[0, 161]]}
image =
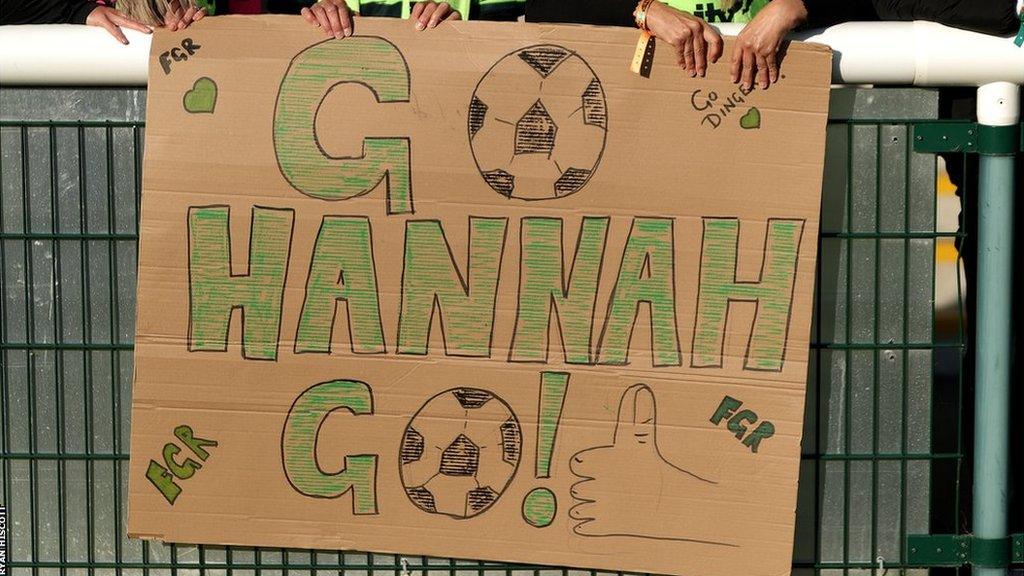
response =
{"points": [[675, 446]]}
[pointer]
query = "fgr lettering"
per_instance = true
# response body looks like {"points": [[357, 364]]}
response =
{"points": [[741, 423], [176, 54], [164, 478]]}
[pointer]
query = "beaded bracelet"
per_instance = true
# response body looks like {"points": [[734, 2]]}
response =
{"points": [[640, 13], [643, 56]]}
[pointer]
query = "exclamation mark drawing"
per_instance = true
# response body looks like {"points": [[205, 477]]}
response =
{"points": [[539, 505]]}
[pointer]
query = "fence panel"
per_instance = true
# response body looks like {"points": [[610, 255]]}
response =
{"points": [[885, 351]]}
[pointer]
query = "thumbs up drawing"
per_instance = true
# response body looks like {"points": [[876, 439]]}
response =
{"points": [[629, 489]]}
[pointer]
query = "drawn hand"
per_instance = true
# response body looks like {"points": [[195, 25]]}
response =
{"points": [[331, 16], [756, 52], [624, 486], [112, 20], [181, 13], [429, 14], [696, 43]]}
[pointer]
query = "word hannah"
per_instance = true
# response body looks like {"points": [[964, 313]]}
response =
{"points": [[342, 281], [342, 275]]}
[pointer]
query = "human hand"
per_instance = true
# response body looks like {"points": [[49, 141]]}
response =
{"points": [[429, 14], [332, 16], [179, 17], [696, 42], [112, 20], [755, 53]]}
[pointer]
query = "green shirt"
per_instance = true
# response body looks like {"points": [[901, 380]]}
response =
{"points": [[713, 11], [710, 10], [470, 9]]}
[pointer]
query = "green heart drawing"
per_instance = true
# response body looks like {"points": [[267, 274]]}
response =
{"points": [[751, 120], [202, 98]]}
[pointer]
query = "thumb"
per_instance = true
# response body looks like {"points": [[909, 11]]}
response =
{"points": [[636, 421]]}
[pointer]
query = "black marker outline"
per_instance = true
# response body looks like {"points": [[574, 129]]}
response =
{"points": [[316, 442], [650, 309], [554, 508], [566, 287], [558, 420], [463, 281], [316, 137], [581, 521], [469, 124], [756, 301], [341, 280], [232, 275], [515, 469], [184, 97]]}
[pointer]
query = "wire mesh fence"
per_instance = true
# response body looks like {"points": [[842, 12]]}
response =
{"points": [[882, 448]]}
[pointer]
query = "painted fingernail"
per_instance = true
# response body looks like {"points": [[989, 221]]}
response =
{"points": [[419, 25]]}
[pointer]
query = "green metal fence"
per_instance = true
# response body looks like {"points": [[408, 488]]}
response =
{"points": [[883, 444]]}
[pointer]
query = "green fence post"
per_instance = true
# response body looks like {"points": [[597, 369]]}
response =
{"points": [[998, 115]]}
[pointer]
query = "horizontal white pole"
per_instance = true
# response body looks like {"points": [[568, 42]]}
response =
{"points": [[68, 54], [918, 53], [904, 53]]}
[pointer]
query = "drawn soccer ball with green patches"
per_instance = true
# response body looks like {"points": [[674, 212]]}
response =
{"points": [[537, 123], [459, 452]]}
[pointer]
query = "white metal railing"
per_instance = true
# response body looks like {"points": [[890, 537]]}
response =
{"points": [[904, 53]]}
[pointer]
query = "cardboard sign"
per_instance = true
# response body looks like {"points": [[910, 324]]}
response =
{"points": [[477, 292]]}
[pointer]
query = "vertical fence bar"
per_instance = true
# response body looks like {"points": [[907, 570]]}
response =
{"points": [[30, 359], [5, 424], [58, 380], [998, 114]]}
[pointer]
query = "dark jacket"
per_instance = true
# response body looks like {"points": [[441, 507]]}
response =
{"points": [[45, 11], [600, 12], [987, 16]]}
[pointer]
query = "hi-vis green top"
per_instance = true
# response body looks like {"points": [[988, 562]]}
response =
{"points": [[710, 10], [716, 11], [470, 9]]}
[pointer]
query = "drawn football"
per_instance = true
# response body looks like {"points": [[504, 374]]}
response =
{"points": [[537, 123], [460, 452]]}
